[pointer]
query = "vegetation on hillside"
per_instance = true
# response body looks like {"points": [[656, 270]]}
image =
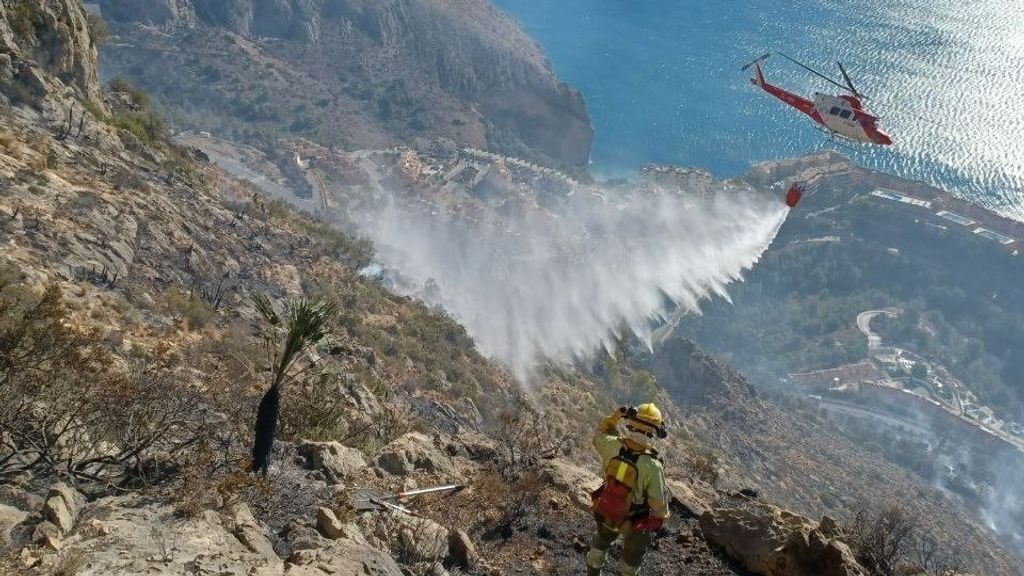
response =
{"points": [[797, 309]]}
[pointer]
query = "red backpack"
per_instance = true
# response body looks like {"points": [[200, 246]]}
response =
{"points": [[611, 501]]}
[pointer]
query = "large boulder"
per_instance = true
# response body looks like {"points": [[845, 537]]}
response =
{"points": [[774, 542], [423, 540], [333, 528], [244, 526], [62, 506], [47, 535], [411, 452], [335, 460], [689, 496], [414, 539], [462, 550]]}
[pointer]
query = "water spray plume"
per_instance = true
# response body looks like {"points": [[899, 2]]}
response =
{"points": [[558, 282]]}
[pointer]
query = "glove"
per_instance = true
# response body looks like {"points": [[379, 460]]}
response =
{"points": [[628, 411], [649, 524]]}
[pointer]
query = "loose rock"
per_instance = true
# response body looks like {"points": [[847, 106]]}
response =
{"points": [[335, 460], [774, 542], [62, 505], [411, 452]]}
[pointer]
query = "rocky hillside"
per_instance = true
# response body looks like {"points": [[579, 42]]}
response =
{"points": [[142, 298], [804, 465], [352, 73]]}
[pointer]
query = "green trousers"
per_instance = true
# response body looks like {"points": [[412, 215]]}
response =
{"points": [[634, 546]]}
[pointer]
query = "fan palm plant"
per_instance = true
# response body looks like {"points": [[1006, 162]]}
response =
{"points": [[289, 338]]}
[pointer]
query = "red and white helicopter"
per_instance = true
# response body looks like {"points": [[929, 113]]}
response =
{"points": [[843, 116]]}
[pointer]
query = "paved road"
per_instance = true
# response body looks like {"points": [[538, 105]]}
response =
{"points": [[864, 325]]}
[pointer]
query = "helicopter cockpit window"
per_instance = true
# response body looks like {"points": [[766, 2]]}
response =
{"points": [[845, 114], [834, 111]]}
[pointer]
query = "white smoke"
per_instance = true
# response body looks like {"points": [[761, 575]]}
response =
{"points": [[532, 283]]}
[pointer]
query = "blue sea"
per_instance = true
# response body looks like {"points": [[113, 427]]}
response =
{"points": [[662, 82]]}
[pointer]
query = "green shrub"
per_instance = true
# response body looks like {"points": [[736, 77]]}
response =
{"points": [[138, 95], [145, 125], [95, 109], [187, 307]]}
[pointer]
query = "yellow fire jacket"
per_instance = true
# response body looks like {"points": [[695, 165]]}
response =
{"points": [[650, 488]]}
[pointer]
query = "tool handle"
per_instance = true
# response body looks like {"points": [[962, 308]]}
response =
{"points": [[413, 493]]}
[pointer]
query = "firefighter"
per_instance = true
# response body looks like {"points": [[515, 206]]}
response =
{"points": [[632, 502]]}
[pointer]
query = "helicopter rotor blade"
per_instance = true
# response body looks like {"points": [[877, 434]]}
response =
{"points": [[849, 83], [813, 71]]}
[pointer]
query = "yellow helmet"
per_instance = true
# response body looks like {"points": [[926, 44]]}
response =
{"points": [[648, 420], [649, 414]]}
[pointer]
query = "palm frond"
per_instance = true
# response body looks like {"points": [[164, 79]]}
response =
{"points": [[266, 309], [306, 322]]}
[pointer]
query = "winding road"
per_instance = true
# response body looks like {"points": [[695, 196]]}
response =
{"points": [[864, 325]]}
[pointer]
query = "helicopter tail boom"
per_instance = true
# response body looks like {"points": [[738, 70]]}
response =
{"points": [[802, 104]]}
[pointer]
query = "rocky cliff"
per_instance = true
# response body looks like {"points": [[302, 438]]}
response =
{"points": [[48, 35], [379, 73]]}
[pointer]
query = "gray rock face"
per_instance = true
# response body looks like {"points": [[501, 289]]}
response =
{"points": [[57, 37], [302, 537], [693, 375], [342, 558], [127, 536], [6, 67], [577, 482], [425, 63]]}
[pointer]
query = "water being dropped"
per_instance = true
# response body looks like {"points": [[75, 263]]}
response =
{"points": [[558, 282]]}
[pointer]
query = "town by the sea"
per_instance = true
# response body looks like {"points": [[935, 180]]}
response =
{"points": [[663, 84]]}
